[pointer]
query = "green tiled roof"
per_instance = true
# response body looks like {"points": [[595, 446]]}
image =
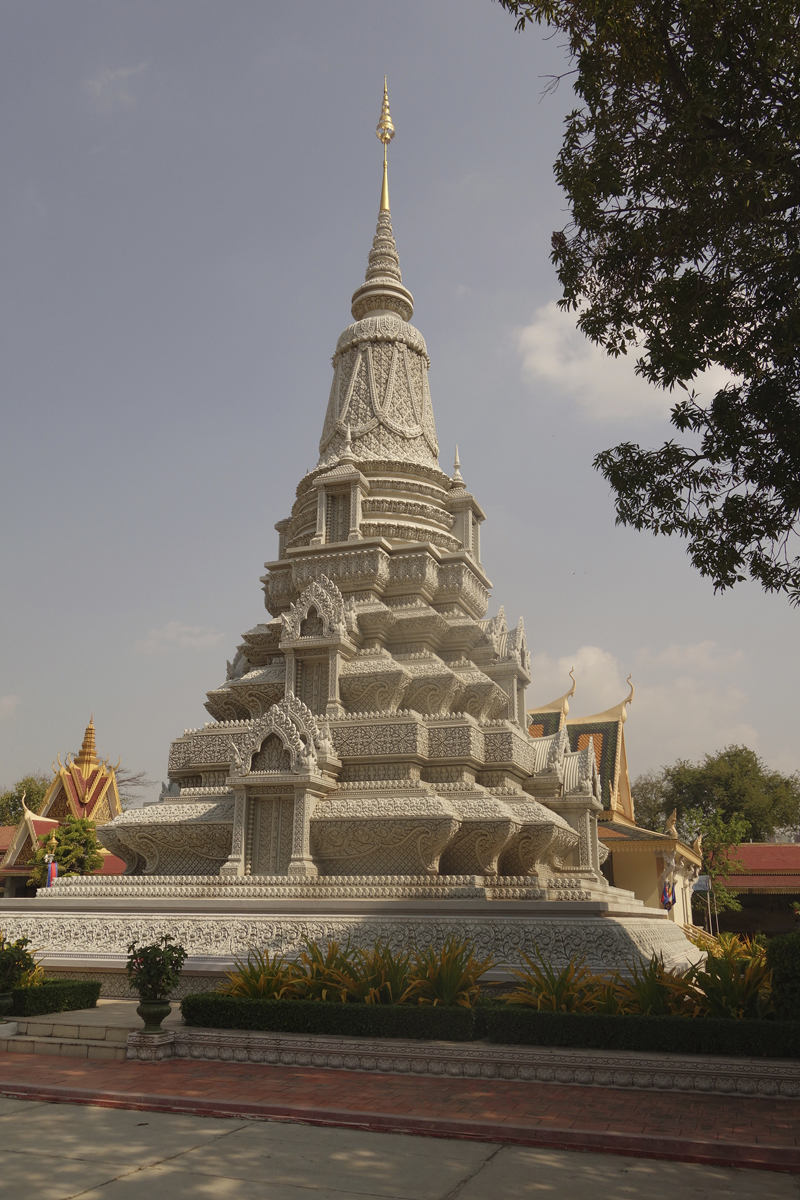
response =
{"points": [[550, 720], [608, 753]]}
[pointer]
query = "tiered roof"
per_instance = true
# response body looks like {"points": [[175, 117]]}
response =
{"points": [[82, 787]]}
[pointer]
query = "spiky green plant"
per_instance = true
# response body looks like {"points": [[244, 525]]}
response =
{"points": [[572, 989], [651, 990], [378, 975], [261, 977], [731, 986], [608, 998], [740, 947], [449, 975], [323, 971]]}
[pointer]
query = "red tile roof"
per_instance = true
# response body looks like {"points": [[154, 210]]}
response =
{"points": [[769, 857], [6, 837], [767, 865]]}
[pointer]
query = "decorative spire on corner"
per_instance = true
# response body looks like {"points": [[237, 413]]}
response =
{"points": [[347, 455], [457, 480], [382, 290]]}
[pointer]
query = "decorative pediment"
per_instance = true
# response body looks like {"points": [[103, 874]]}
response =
{"points": [[319, 611], [287, 739], [517, 645]]}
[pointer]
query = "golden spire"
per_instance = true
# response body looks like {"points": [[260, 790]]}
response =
{"points": [[88, 754], [385, 133]]}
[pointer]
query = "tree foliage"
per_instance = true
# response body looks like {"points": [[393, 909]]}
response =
{"points": [[76, 851], [733, 781], [682, 172], [725, 798], [33, 788]]}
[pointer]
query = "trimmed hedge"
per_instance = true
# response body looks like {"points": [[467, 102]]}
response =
{"points": [[783, 956], [423, 1022], [520, 1026], [54, 995]]}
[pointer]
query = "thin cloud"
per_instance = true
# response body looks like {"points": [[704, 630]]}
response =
{"points": [[688, 700], [109, 90], [555, 352], [177, 636], [9, 705]]}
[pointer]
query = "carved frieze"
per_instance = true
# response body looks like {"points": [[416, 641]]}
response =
{"points": [[392, 836]]}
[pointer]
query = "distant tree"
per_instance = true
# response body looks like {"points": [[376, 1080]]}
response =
{"points": [[33, 788], [733, 781], [130, 785], [681, 168], [721, 838], [76, 850]]}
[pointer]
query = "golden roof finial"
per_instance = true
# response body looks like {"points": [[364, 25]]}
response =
{"points": [[385, 133], [88, 753]]}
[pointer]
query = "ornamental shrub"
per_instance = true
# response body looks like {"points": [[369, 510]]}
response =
{"points": [[55, 995], [341, 974], [16, 962], [783, 956], [424, 1022], [572, 989], [447, 976], [154, 970]]}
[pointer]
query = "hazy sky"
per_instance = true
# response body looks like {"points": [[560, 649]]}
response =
{"points": [[188, 195]]}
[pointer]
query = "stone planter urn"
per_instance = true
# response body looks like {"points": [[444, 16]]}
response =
{"points": [[153, 1013], [6, 1000]]}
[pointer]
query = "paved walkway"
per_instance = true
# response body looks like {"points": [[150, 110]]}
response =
{"points": [[720, 1130], [65, 1152]]}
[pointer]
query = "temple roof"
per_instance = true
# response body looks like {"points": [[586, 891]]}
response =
{"points": [[766, 866], [549, 718], [606, 729], [81, 787], [621, 835]]}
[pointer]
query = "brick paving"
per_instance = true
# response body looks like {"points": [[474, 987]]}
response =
{"points": [[721, 1130]]}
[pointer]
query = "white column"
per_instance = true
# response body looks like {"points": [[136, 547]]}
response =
{"points": [[319, 537], [301, 862], [235, 861]]}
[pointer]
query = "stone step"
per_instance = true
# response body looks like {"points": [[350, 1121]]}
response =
{"points": [[81, 1047], [58, 1025]]}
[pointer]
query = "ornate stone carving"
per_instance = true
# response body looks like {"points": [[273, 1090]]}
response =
{"points": [[376, 835], [606, 944], [323, 597], [544, 839], [379, 603], [486, 827]]}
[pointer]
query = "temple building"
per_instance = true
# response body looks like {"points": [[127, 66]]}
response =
{"points": [[367, 771], [659, 868], [83, 787], [766, 881]]}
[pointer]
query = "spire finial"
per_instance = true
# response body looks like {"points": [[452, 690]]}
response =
{"points": [[88, 753], [385, 133], [457, 479], [382, 290], [347, 455]]}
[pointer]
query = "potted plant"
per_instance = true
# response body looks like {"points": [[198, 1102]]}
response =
{"points": [[153, 972], [16, 961]]}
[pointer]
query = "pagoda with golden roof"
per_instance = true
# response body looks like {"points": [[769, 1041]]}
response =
{"points": [[81, 787]]}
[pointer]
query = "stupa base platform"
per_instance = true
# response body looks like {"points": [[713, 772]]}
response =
{"points": [[83, 931]]}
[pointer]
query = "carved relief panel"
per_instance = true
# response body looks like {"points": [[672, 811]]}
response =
{"points": [[272, 835]]}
